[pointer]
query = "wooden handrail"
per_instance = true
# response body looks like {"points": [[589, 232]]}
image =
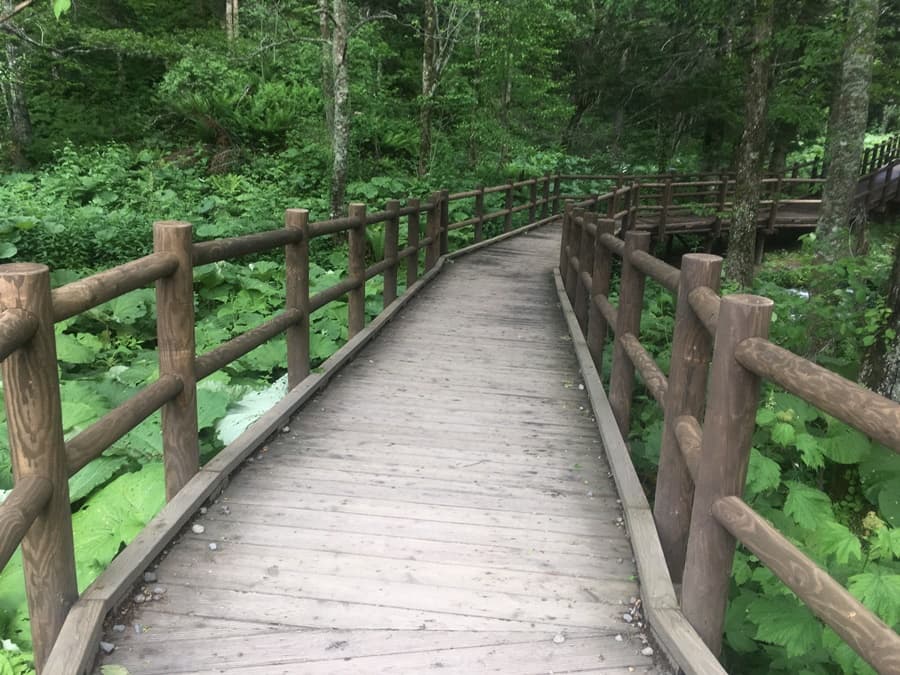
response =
{"points": [[233, 247], [80, 296], [868, 635], [91, 442], [874, 415], [17, 326], [653, 377], [18, 511]]}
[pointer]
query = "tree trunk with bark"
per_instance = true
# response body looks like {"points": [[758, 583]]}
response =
{"points": [[15, 101], [840, 223], [327, 68], [340, 139], [231, 20], [742, 235], [429, 83], [881, 363]]}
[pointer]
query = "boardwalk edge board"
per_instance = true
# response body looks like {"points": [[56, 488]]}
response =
{"points": [[679, 640], [75, 650]]}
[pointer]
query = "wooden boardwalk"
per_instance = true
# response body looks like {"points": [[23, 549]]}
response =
{"points": [[444, 505]]}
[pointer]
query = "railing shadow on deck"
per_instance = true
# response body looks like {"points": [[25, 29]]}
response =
{"points": [[698, 510], [36, 513]]}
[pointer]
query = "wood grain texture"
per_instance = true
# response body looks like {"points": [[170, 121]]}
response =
{"points": [[391, 243], [628, 320], [654, 378], [445, 222], [728, 428], [175, 345], [859, 407], [206, 252], [37, 449], [598, 319], [82, 295], [433, 231], [356, 270], [585, 255], [705, 300], [91, 442], [688, 369], [412, 240], [869, 636], [16, 328], [339, 526], [296, 262], [22, 505]]}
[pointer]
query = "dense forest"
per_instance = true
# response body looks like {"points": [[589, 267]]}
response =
{"points": [[224, 113]]}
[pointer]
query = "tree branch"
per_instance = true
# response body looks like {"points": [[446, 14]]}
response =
{"points": [[15, 10]]}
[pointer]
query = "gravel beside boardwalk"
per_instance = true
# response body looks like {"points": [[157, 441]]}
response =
{"points": [[443, 506]]}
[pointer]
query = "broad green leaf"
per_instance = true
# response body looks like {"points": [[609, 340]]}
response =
{"points": [[885, 543], [212, 404], [810, 450], [77, 349], [765, 417], [879, 590], [7, 249], [802, 410], [808, 506], [843, 654], [784, 621], [77, 415], [60, 7], [94, 475], [738, 629], [762, 474], [113, 516], [848, 446], [832, 538], [783, 434], [112, 669], [248, 409]]}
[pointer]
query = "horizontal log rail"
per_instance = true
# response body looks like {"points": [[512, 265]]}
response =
{"points": [[720, 354], [92, 441], [84, 294], [18, 511], [868, 635], [17, 327]]}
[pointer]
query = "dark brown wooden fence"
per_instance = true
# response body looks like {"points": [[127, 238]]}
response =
{"points": [[37, 512], [720, 353]]}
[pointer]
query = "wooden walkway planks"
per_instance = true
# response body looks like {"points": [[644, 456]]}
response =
{"points": [[443, 505]]}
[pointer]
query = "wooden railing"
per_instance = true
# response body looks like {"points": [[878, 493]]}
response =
{"points": [[698, 508], [703, 202], [37, 511]]}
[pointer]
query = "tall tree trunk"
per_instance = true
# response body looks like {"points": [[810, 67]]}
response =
{"points": [[847, 135], [476, 85], [340, 141], [429, 82], [742, 235], [16, 103], [327, 67], [881, 363], [231, 19]]}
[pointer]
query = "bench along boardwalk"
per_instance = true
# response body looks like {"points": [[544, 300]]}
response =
{"points": [[444, 505]]}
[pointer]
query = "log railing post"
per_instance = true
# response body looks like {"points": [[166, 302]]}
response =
{"points": [[433, 230], [356, 269], [635, 205], [479, 214], [600, 277], [296, 257], [545, 196], [391, 244], [573, 241], [564, 244], [412, 239], [445, 222], [532, 200], [175, 343], [664, 210], [557, 193], [686, 394], [628, 320], [728, 428], [37, 449], [585, 264], [613, 202], [507, 219]]}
